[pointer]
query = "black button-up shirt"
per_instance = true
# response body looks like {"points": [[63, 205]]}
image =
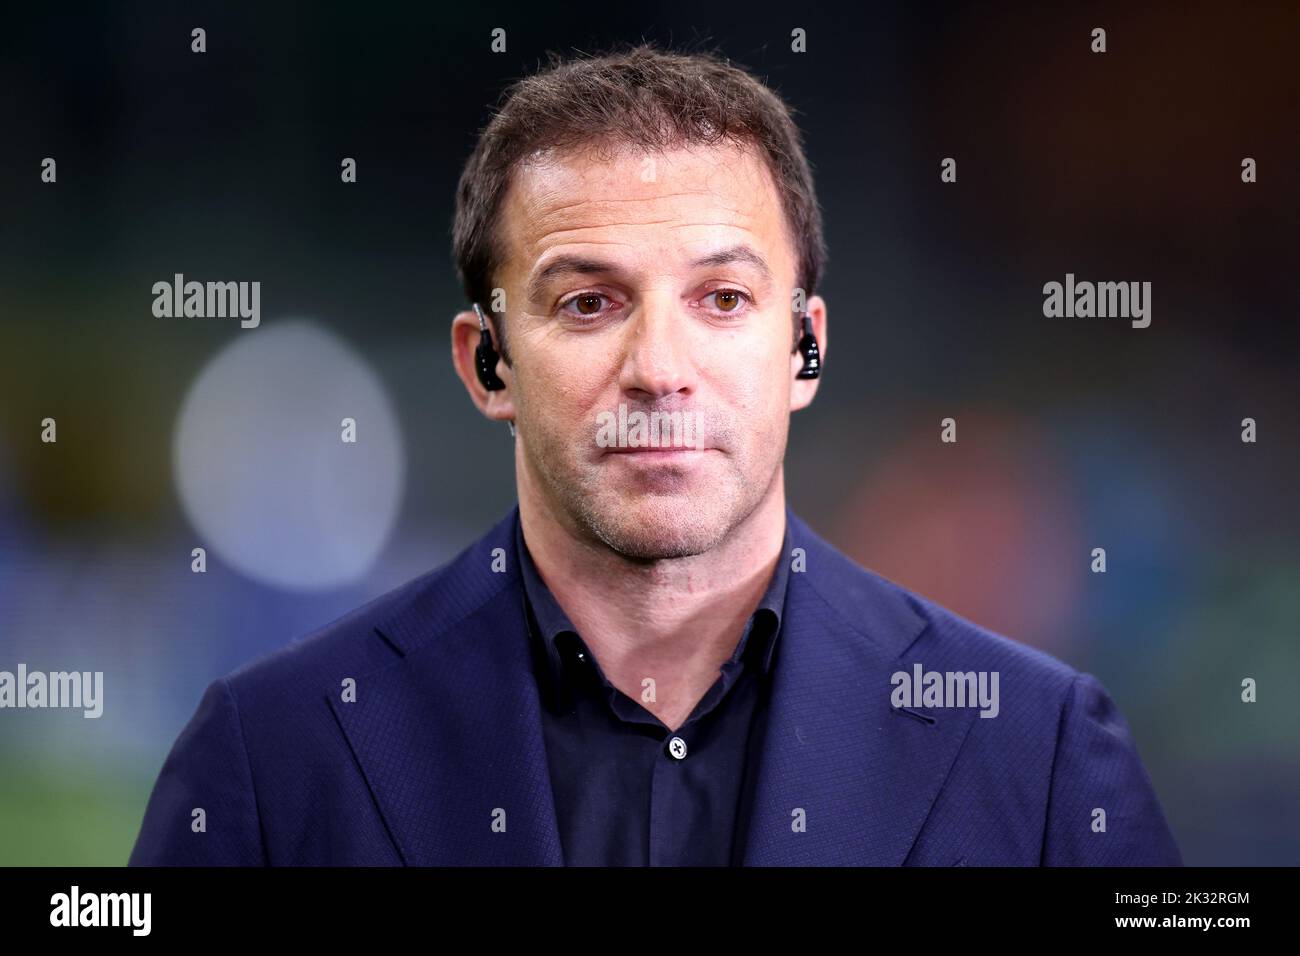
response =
{"points": [[625, 793]]}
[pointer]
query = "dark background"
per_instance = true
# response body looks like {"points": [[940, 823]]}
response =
{"points": [[1072, 433]]}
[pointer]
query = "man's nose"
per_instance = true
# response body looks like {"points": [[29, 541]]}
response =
{"points": [[659, 359]]}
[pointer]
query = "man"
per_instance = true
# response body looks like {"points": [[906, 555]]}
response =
{"points": [[651, 660]]}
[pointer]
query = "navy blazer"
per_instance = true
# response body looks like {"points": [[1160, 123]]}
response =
{"points": [[443, 742]]}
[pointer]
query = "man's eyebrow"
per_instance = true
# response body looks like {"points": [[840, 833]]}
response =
{"points": [[563, 265], [739, 253], [585, 265]]}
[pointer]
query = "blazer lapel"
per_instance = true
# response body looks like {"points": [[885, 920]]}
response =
{"points": [[864, 774], [449, 734]]}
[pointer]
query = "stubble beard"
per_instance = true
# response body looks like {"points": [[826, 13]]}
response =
{"points": [[651, 526]]}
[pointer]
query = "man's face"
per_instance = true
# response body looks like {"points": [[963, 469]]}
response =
{"points": [[661, 282]]}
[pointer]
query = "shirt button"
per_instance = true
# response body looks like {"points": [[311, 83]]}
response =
{"points": [[677, 747]]}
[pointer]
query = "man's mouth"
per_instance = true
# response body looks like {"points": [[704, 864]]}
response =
{"points": [[678, 435], [653, 451]]}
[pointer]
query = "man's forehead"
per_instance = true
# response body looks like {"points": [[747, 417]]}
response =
{"points": [[683, 196]]}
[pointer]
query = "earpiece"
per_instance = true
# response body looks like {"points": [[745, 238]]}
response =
{"points": [[812, 356], [485, 356]]}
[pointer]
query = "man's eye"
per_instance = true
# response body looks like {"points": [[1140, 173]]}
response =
{"points": [[585, 303], [728, 300]]}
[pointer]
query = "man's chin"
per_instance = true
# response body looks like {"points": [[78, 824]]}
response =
{"points": [[660, 527]]}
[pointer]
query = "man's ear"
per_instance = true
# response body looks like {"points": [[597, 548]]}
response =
{"points": [[498, 405], [801, 395]]}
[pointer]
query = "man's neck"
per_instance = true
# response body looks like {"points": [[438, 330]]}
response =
{"points": [[675, 620]]}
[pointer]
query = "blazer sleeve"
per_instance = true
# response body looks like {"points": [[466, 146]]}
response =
{"points": [[207, 769], [1097, 767]]}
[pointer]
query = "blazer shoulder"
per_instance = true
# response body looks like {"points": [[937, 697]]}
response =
{"points": [[377, 633], [921, 627]]}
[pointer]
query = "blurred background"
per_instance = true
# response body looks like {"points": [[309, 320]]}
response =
{"points": [[1073, 433]]}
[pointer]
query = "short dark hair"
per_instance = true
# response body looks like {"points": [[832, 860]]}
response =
{"points": [[640, 96]]}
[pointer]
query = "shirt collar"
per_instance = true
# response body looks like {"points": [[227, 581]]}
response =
{"points": [[548, 621]]}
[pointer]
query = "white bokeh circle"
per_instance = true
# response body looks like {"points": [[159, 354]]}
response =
{"points": [[261, 467]]}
